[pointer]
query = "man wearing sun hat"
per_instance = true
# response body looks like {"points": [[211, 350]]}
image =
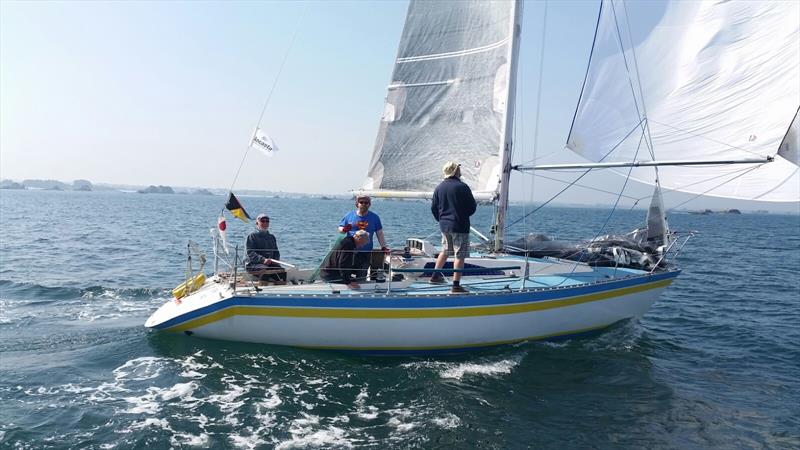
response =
{"points": [[453, 204]]}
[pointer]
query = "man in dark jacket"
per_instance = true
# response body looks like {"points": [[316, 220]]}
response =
{"points": [[452, 206], [342, 264], [262, 249]]}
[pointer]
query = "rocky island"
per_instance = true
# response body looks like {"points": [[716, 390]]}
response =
{"points": [[156, 190]]}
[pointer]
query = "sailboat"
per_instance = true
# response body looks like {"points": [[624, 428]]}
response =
{"points": [[713, 85]]}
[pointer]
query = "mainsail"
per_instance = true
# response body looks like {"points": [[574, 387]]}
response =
{"points": [[710, 80], [449, 98]]}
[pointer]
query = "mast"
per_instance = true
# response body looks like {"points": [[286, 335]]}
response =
{"points": [[506, 143]]}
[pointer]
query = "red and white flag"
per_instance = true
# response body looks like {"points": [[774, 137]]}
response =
{"points": [[222, 226]]}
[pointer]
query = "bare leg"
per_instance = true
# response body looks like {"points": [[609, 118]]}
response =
{"points": [[457, 264], [441, 259]]}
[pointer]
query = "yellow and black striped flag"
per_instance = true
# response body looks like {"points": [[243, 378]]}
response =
{"points": [[236, 208]]}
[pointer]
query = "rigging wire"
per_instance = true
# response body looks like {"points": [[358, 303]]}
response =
{"points": [[613, 209], [519, 117], [271, 91], [629, 197], [624, 185], [649, 141], [537, 118], [575, 180], [683, 187], [744, 172], [533, 160], [643, 113]]}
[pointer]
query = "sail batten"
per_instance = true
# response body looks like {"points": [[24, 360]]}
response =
{"points": [[448, 97], [718, 80]]}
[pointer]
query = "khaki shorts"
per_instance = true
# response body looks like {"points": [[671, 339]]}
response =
{"points": [[456, 241]]}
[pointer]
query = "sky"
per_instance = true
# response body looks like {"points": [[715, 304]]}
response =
{"points": [[169, 92]]}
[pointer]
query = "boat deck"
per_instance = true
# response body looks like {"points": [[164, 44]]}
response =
{"points": [[474, 284]]}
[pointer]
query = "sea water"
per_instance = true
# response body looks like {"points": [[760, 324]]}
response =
{"points": [[714, 364]]}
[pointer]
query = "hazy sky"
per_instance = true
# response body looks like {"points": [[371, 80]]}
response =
{"points": [[169, 92]]}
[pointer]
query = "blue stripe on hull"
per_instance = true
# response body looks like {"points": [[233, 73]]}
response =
{"points": [[419, 302]]}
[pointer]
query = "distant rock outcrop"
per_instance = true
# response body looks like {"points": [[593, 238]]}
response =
{"points": [[156, 190], [82, 185], [8, 184], [708, 211], [52, 185], [203, 192]]}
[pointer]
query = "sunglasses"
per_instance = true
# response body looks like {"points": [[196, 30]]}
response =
{"points": [[362, 202], [263, 220]]}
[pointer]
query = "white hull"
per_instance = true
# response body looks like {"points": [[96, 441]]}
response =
{"points": [[411, 318]]}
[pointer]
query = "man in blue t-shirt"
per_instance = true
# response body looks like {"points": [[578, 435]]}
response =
{"points": [[364, 219]]}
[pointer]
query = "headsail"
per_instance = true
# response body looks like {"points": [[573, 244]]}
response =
{"points": [[448, 98], [657, 228], [790, 146], [711, 80]]}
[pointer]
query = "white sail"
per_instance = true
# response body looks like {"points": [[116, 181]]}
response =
{"points": [[716, 80], [657, 227], [448, 98], [790, 147]]}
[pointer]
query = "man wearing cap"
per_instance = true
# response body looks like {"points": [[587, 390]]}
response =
{"points": [[262, 249], [452, 206], [364, 219]]}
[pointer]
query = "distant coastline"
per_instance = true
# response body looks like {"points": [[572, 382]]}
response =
{"points": [[88, 186]]}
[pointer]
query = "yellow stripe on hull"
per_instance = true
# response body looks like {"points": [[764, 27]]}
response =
{"points": [[424, 313]]}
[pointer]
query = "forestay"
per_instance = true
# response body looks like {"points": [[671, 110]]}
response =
{"points": [[448, 98], [716, 81]]}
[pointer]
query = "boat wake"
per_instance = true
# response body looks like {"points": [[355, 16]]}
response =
{"points": [[23, 303], [490, 367]]}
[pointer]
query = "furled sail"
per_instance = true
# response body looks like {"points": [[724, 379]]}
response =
{"points": [[712, 80], [448, 98]]}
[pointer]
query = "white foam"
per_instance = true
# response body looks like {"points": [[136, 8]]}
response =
{"points": [[201, 420], [329, 437], [192, 374], [249, 442], [308, 406], [401, 426], [152, 422], [104, 392], [180, 390], [400, 419], [449, 421], [192, 368], [190, 440], [145, 404], [272, 400], [139, 369], [149, 403], [71, 388], [368, 412], [364, 411], [502, 367], [228, 400]]}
